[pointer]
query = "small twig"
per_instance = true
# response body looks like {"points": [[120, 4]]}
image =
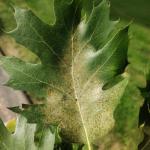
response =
{"points": [[28, 97], [2, 52]]}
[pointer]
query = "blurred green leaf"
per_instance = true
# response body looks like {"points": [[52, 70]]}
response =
{"points": [[23, 138]]}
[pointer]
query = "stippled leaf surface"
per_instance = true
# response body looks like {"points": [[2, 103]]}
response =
{"points": [[23, 137], [77, 59]]}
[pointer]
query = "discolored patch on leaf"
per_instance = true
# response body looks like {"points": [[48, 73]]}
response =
{"points": [[77, 59]]}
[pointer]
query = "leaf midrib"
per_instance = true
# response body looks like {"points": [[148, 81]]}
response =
{"points": [[76, 96]]}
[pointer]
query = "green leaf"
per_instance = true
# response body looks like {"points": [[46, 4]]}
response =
{"points": [[127, 117], [23, 138], [88, 6], [99, 26], [44, 9], [25, 76], [33, 113], [77, 61]]}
